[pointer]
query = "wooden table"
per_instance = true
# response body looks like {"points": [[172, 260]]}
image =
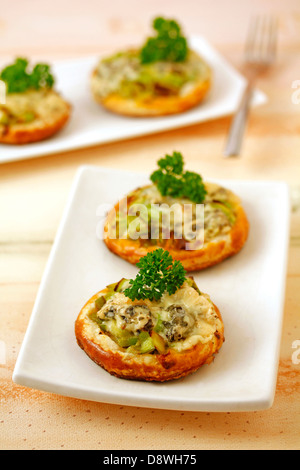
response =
{"points": [[33, 194]]}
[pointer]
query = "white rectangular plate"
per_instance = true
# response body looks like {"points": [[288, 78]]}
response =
{"points": [[248, 288], [91, 125]]}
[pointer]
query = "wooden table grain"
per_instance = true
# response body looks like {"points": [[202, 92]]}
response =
{"points": [[33, 194]]}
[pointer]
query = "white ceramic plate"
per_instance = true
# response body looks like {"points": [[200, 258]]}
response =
{"points": [[248, 289], [92, 125]]}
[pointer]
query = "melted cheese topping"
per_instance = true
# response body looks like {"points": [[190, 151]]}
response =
{"points": [[33, 108], [217, 217], [124, 74], [186, 317]]}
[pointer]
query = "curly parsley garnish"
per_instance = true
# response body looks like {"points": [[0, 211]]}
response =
{"points": [[158, 274], [167, 45], [19, 79], [171, 180]]}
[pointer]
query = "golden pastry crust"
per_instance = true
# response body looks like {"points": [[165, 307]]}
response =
{"points": [[156, 105], [145, 367], [53, 113], [212, 252]]}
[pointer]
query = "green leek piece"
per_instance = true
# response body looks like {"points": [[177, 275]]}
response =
{"points": [[159, 325], [133, 340], [159, 343], [122, 337], [111, 291], [4, 119], [227, 204], [122, 285], [141, 344], [123, 342], [28, 116], [111, 287], [126, 340], [191, 282], [94, 317], [229, 214], [100, 302], [147, 345]]}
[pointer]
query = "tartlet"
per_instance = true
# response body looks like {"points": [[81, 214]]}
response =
{"points": [[31, 113], [225, 225], [126, 84], [150, 340]]}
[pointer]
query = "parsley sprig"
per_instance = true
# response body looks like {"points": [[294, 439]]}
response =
{"points": [[158, 273], [171, 180], [167, 45], [18, 78]]}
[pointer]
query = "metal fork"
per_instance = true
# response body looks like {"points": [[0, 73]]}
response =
{"points": [[260, 53]]}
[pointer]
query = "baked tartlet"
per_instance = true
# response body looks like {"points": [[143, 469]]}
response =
{"points": [[33, 109], [162, 77], [224, 224], [150, 340]]}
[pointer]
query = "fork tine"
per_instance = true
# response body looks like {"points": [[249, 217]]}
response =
{"points": [[272, 44], [263, 40], [259, 53], [260, 46], [250, 41]]}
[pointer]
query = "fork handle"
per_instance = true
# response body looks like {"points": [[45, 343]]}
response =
{"points": [[238, 124]]}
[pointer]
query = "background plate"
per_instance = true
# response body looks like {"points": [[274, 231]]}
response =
{"points": [[248, 288], [91, 125]]}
